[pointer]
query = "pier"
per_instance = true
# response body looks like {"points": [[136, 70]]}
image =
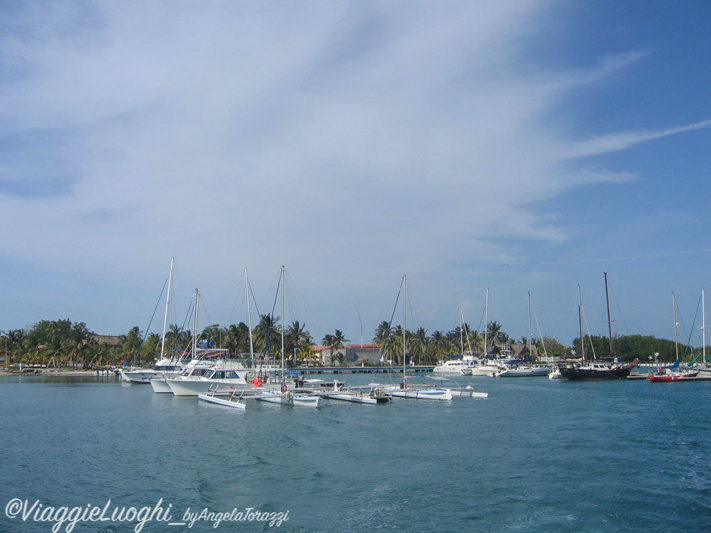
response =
{"points": [[359, 369]]}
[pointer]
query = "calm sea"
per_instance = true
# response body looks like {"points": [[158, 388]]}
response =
{"points": [[537, 455]]}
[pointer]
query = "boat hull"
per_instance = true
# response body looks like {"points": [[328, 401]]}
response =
{"points": [[160, 386], [422, 394], [596, 373], [222, 401], [290, 399]]}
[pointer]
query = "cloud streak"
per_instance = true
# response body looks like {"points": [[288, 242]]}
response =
{"points": [[335, 137]]}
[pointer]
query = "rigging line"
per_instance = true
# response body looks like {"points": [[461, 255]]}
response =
{"points": [[267, 343], [388, 332], [540, 335], [160, 298]]}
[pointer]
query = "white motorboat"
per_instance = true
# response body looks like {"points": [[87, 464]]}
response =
{"points": [[164, 368], [455, 367], [224, 381], [514, 371]]}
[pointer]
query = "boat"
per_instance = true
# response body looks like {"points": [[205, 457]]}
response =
{"points": [[373, 396], [405, 390], [165, 366], [596, 370], [234, 400], [483, 367], [457, 390], [290, 398], [515, 371], [421, 394], [460, 364], [455, 366], [666, 375], [673, 373], [555, 373]]}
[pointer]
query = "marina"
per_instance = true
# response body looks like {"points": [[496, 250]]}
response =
{"points": [[342, 467]]}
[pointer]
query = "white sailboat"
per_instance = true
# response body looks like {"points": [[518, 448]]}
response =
{"points": [[286, 396], [515, 370], [405, 391], [466, 360], [165, 366]]}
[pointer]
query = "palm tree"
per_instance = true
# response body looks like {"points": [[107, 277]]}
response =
{"points": [[419, 343], [267, 334], [297, 339]]}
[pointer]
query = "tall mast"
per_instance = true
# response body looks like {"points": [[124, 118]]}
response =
{"points": [[676, 335], [195, 323], [703, 324], [282, 321], [404, 326], [580, 320], [461, 325], [609, 320], [486, 324], [530, 333], [249, 316], [167, 306]]}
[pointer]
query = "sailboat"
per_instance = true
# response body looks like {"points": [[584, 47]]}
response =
{"points": [[165, 366], [515, 370], [483, 367], [595, 369], [457, 366], [674, 374], [405, 391], [286, 396]]}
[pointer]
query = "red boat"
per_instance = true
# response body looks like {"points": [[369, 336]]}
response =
{"points": [[669, 376]]}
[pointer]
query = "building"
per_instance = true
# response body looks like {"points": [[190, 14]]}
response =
{"points": [[350, 355]]}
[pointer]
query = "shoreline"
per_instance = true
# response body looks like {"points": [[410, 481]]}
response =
{"points": [[52, 372]]}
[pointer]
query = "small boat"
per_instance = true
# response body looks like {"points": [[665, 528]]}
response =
{"points": [[289, 398], [421, 393], [233, 400], [515, 371], [670, 376], [372, 396], [555, 373]]}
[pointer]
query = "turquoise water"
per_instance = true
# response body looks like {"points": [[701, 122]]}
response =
{"points": [[537, 455]]}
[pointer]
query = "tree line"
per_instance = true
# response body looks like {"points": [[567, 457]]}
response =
{"points": [[67, 343]]}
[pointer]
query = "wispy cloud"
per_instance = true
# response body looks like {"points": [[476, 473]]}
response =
{"points": [[332, 136], [616, 142]]}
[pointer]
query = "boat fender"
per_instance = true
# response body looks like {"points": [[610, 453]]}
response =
{"points": [[257, 382], [283, 387]]}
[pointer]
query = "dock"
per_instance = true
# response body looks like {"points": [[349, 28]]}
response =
{"points": [[360, 369]]}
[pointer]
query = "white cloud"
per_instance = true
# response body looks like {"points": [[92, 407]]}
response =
{"points": [[337, 136]]}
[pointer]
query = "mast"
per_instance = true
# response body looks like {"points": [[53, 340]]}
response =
{"points": [[249, 317], [530, 333], [167, 307], [676, 336], [609, 320], [195, 323], [282, 322], [404, 328], [580, 320], [486, 324], [461, 325], [703, 324]]}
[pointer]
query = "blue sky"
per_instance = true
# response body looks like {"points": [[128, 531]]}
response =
{"points": [[523, 146]]}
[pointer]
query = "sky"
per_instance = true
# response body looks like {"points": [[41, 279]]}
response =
{"points": [[518, 147]]}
